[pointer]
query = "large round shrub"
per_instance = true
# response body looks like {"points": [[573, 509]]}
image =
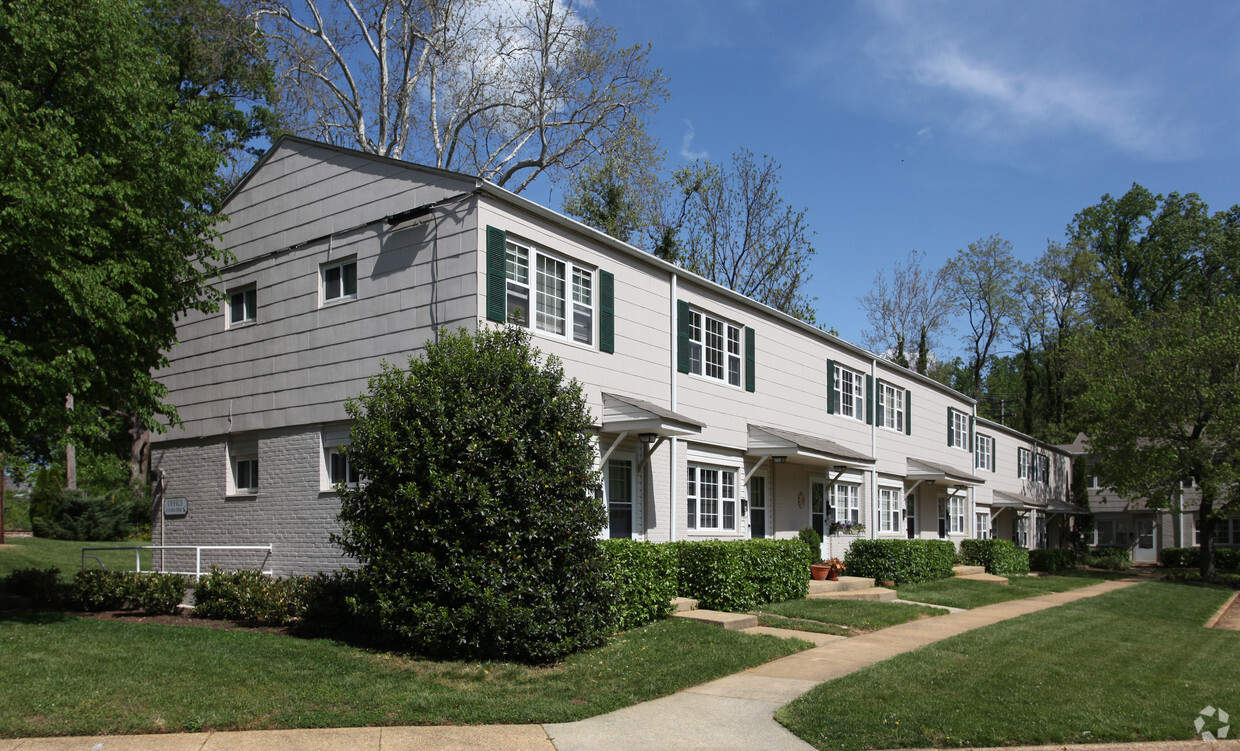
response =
{"points": [[476, 520]]}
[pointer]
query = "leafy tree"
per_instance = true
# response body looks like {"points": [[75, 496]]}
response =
{"points": [[736, 230], [505, 91], [982, 280], [907, 312], [1160, 401], [117, 116], [476, 520], [617, 192]]}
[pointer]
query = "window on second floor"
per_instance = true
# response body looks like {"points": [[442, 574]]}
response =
{"points": [[245, 474], [959, 430], [892, 402], [242, 306], [559, 293], [1024, 464], [1044, 468], [985, 449], [847, 392], [714, 348], [340, 281]]}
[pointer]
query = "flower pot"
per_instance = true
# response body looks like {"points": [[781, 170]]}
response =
{"points": [[819, 572], [833, 575], [888, 583]]}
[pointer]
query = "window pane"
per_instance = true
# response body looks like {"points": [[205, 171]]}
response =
{"points": [[331, 283], [517, 264], [350, 279], [237, 313], [550, 295], [518, 305], [714, 349]]}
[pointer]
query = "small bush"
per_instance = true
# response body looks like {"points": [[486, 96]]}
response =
{"points": [[158, 594], [1109, 557], [78, 515], [1224, 558], [340, 605], [1000, 557], [248, 596], [96, 589], [1052, 560], [42, 586], [810, 537], [1194, 577], [643, 576], [740, 575], [901, 561]]}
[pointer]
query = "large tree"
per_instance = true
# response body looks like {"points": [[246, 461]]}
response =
{"points": [[907, 312], [982, 282], [735, 229], [117, 115], [506, 91]]}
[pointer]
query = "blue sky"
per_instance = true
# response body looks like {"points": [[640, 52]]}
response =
{"points": [[928, 125]]}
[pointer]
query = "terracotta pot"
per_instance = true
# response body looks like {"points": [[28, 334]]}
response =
{"points": [[833, 576], [888, 583], [819, 572]]}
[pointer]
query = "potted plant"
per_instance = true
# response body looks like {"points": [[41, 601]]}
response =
{"points": [[848, 528], [829, 569]]}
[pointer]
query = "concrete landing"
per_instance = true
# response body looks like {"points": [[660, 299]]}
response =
{"points": [[872, 594], [843, 584], [681, 604], [968, 570], [729, 621], [984, 577], [786, 633]]}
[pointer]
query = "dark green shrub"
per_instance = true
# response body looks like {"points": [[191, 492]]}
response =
{"points": [[477, 522], [810, 537], [96, 589], [42, 586], [901, 561], [643, 576], [1052, 560], [1000, 557], [248, 596], [1108, 557], [1194, 577], [158, 594], [78, 515], [340, 605], [1224, 558], [740, 575]]}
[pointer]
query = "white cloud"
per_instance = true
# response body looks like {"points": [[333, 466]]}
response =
{"points": [[925, 134], [687, 143]]}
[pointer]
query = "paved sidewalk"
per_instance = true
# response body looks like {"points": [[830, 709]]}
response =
{"points": [[734, 712]]}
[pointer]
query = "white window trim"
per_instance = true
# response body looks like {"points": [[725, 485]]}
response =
{"points": [[960, 430], [694, 497], [253, 313], [984, 459], [891, 510], [573, 271], [898, 399], [328, 453], [1024, 464], [956, 524], [1042, 468], [849, 493], [981, 523], [342, 297], [234, 474], [856, 380], [731, 334]]}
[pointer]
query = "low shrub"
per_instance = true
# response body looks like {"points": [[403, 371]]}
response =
{"points": [[1000, 557], [339, 605], [643, 576], [810, 537], [741, 575], [901, 561], [248, 596], [1224, 558], [42, 586], [1194, 577], [1108, 557], [1052, 560], [156, 594]]}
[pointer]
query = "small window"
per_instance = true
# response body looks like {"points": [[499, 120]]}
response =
{"points": [[891, 407], [1024, 464], [340, 470], [340, 281], [245, 475], [981, 522], [711, 498], [959, 429], [985, 452], [242, 306], [1044, 468], [849, 393], [714, 348]]}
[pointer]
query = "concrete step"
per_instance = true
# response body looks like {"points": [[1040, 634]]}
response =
{"points": [[843, 584], [985, 577], [968, 570], [873, 594], [681, 604], [729, 621]]}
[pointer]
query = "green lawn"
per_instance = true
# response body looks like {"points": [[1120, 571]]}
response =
{"points": [[843, 617], [1132, 665], [968, 593], [66, 555], [65, 675]]}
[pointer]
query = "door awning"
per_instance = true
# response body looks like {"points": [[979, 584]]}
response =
{"points": [[920, 470], [1015, 500], [803, 449], [1056, 506], [629, 414]]}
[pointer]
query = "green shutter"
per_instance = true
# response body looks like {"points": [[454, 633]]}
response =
{"points": [[606, 311], [908, 412], [750, 352], [878, 404], [869, 400], [830, 387], [683, 360], [950, 427], [497, 286]]}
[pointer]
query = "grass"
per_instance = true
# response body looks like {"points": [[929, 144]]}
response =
{"points": [[66, 555], [968, 593], [1131, 665], [65, 675], [842, 617]]}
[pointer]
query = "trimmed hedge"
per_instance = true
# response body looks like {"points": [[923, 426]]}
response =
{"points": [[1052, 560], [901, 561], [248, 596], [1000, 557], [643, 576], [156, 594], [1224, 558], [42, 586], [740, 575]]}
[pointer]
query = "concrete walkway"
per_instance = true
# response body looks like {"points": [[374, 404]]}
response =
{"points": [[734, 712]]}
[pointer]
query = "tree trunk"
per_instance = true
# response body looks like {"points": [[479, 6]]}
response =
{"points": [[1206, 520], [139, 452]]}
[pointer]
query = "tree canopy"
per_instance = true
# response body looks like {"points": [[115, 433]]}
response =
{"points": [[118, 115]]}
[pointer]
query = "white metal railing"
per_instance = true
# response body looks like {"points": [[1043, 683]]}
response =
{"points": [[196, 573]]}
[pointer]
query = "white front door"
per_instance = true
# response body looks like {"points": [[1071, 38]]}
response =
{"points": [[1146, 549]]}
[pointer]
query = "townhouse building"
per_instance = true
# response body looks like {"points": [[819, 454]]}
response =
{"points": [[716, 417]]}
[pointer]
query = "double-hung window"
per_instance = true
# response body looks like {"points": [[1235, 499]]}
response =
{"points": [[245, 474], [340, 470], [844, 502], [955, 514], [985, 452], [981, 521], [958, 429], [711, 498], [849, 393], [714, 348], [1024, 464], [340, 281], [891, 403], [889, 509], [242, 306], [554, 288], [1044, 468]]}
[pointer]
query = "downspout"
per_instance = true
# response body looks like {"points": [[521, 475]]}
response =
{"points": [[872, 528], [671, 499]]}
